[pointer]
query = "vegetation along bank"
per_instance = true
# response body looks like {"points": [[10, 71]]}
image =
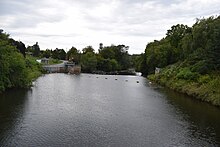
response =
{"points": [[188, 59], [16, 69]]}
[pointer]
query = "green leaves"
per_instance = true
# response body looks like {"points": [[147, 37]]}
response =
{"points": [[14, 70], [187, 74], [198, 46], [74, 55], [88, 62]]}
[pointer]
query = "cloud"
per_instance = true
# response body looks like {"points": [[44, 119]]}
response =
{"points": [[55, 23], [27, 13]]}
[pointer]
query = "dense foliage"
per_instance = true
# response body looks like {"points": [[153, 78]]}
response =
{"points": [[15, 70], [189, 58], [59, 54], [197, 46], [108, 59]]}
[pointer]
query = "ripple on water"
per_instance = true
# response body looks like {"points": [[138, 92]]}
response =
{"points": [[105, 110]]}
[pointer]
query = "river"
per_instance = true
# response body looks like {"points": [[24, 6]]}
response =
{"points": [[104, 110]]}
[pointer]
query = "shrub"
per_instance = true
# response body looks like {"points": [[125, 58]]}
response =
{"points": [[200, 67], [186, 74], [204, 79]]}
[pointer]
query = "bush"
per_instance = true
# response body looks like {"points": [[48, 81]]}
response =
{"points": [[54, 61], [186, 74], [34, 68], [200, 67], [204, 79], [15, 70]]}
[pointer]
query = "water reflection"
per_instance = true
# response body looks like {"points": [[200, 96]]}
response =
{"points": [[204, 119], [97, 110], [12, 107]]}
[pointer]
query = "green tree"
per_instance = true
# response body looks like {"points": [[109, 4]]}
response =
{"points": [[13, 72], [176, 33], [59, 54], [197, 47], [206, 35], [88, 62], [107, 52], [47, 53], [114, 65], [74, 55], [36, 50], [88, 49], [136, 60], [19, 45]]}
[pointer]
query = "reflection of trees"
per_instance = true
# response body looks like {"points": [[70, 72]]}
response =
{"points": [[11, 112], [203, 118]]}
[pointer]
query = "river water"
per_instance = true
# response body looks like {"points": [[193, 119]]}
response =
{"points": [[104, 110]]}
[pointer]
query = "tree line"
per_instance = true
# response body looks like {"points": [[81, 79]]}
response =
{"points": [[108, 59], [196, 47]]}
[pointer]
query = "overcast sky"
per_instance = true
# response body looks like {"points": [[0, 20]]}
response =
{"points": [[79, 23]]}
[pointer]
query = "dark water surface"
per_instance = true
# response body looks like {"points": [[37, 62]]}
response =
{"points": [[100, 110]]}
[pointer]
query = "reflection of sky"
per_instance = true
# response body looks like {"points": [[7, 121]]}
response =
{"points": [[98, 110]]}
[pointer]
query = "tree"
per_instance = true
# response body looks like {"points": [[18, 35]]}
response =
{"points": [[143, 64], [114, 65], [19, 45], [136, 60], [29, 49], [100, 46], [74, 55], [119, 53], [47, 53], [197, 48], [107, 52], [176, 33], [88, 49], [187, 45], [59, 54], [88, 62], [13, 71], [36, 50]]}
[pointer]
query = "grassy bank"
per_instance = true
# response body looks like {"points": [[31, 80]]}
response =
{"points": [[205, 87]]}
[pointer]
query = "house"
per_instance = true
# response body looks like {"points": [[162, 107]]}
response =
{"points": [[45, 61]]}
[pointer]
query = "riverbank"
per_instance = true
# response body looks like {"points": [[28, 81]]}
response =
{"points": [[203, 87]]}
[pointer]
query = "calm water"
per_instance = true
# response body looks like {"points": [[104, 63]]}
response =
{"points": [[97, 110]]}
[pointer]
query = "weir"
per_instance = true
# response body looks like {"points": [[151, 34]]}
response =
{"points": [[65, 67]]}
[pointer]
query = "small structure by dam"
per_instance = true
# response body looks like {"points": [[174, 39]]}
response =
{"points": [[65, 67]]}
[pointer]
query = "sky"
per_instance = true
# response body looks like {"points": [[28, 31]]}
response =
{"points": [[80, 23]]}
